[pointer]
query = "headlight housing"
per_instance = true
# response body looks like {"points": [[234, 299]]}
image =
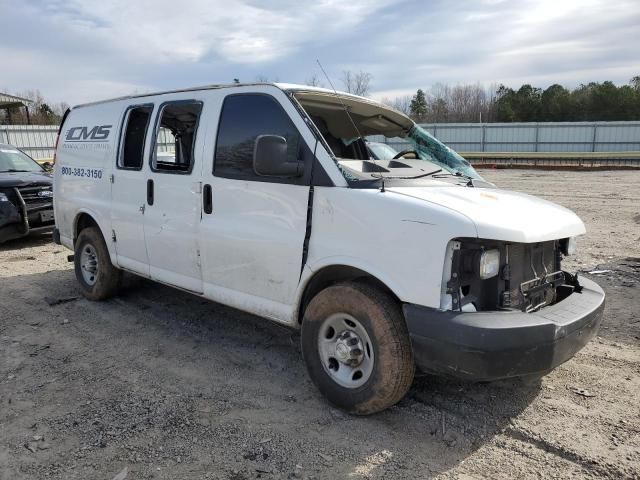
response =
{"points": [[569, 246], [3, 197], [494, 275], [489, 263]]}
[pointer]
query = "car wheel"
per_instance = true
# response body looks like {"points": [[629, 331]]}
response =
{"points": [[97, 276], [357, 348]]}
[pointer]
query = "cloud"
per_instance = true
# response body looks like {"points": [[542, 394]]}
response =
{"points": [[77, 50], [240, 32]]}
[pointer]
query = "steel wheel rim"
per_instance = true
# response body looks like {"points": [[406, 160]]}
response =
{"points": [[89, 264], [346, 351]]}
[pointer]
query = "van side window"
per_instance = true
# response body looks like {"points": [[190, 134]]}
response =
{"points": [[135, 132], [243, 118], [176, 137]]}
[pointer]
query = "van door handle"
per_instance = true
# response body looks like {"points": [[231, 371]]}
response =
{"points": [[150, 192], [207, 199]]}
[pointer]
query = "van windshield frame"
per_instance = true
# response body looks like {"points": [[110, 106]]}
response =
{"points": [[347, 121]]}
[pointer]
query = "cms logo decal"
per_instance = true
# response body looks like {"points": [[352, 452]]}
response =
{"points": [[84, 134]]}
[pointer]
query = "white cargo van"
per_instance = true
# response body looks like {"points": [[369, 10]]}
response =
{"points": [[264, 197]]}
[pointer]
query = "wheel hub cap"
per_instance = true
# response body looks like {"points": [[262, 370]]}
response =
{"points": [[89, 264], [345, 350], [349, 348]]}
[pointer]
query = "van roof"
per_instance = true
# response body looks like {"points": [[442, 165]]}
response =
{"points": [[282, 86]]}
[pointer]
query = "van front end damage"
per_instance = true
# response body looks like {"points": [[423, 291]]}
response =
{"points": [[24, 210], [507, 310], [492, 275]]}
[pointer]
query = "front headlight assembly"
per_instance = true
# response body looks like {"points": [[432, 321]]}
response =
{"points": [[489, 263], [490, 275], [569, 246]]}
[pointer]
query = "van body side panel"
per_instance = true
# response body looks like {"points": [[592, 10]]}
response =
{"points": [[127, 219], [128, 197], [172, 220], [85, 155], [399, 241], [171, 232], [252, 241]]}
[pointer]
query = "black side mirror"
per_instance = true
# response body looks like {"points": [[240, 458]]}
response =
{"points": [[270, 158], [47, 166]]}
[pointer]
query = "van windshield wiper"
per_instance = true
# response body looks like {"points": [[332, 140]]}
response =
{"points": [[454, 174], [469, 181], [12, 170], [402, 177]]}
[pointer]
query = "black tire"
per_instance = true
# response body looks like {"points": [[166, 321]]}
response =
{"points": [[107, 277], [381, 316]]}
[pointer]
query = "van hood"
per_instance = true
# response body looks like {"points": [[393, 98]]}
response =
{"points": [[502, 214]]}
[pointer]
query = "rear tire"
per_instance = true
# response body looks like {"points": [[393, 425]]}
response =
{"points": [[97, 276], [357, 348]]}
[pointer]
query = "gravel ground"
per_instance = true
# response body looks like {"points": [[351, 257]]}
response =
{"points": [[161, 384]]}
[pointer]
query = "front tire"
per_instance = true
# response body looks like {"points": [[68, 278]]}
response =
{"points": [[357, 348], [97, 276]]}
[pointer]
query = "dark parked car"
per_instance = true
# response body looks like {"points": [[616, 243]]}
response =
{"points": [[26, 195]]}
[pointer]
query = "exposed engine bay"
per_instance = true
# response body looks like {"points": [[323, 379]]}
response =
{"points": [[489, 275]]}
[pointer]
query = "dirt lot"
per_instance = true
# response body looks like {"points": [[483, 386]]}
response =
{"points": [[160, 384]]}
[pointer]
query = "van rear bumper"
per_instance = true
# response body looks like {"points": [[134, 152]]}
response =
{"points": [[484, 346]]}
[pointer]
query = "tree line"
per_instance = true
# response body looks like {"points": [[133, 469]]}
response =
{"points": [[589, 102], [443, 103], [593, 101]]}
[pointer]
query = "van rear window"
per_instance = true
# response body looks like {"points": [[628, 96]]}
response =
{"points": [[176, 137], [134, 137]]}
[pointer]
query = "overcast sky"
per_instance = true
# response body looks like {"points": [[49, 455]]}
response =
{"points": [[76, 51]]}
